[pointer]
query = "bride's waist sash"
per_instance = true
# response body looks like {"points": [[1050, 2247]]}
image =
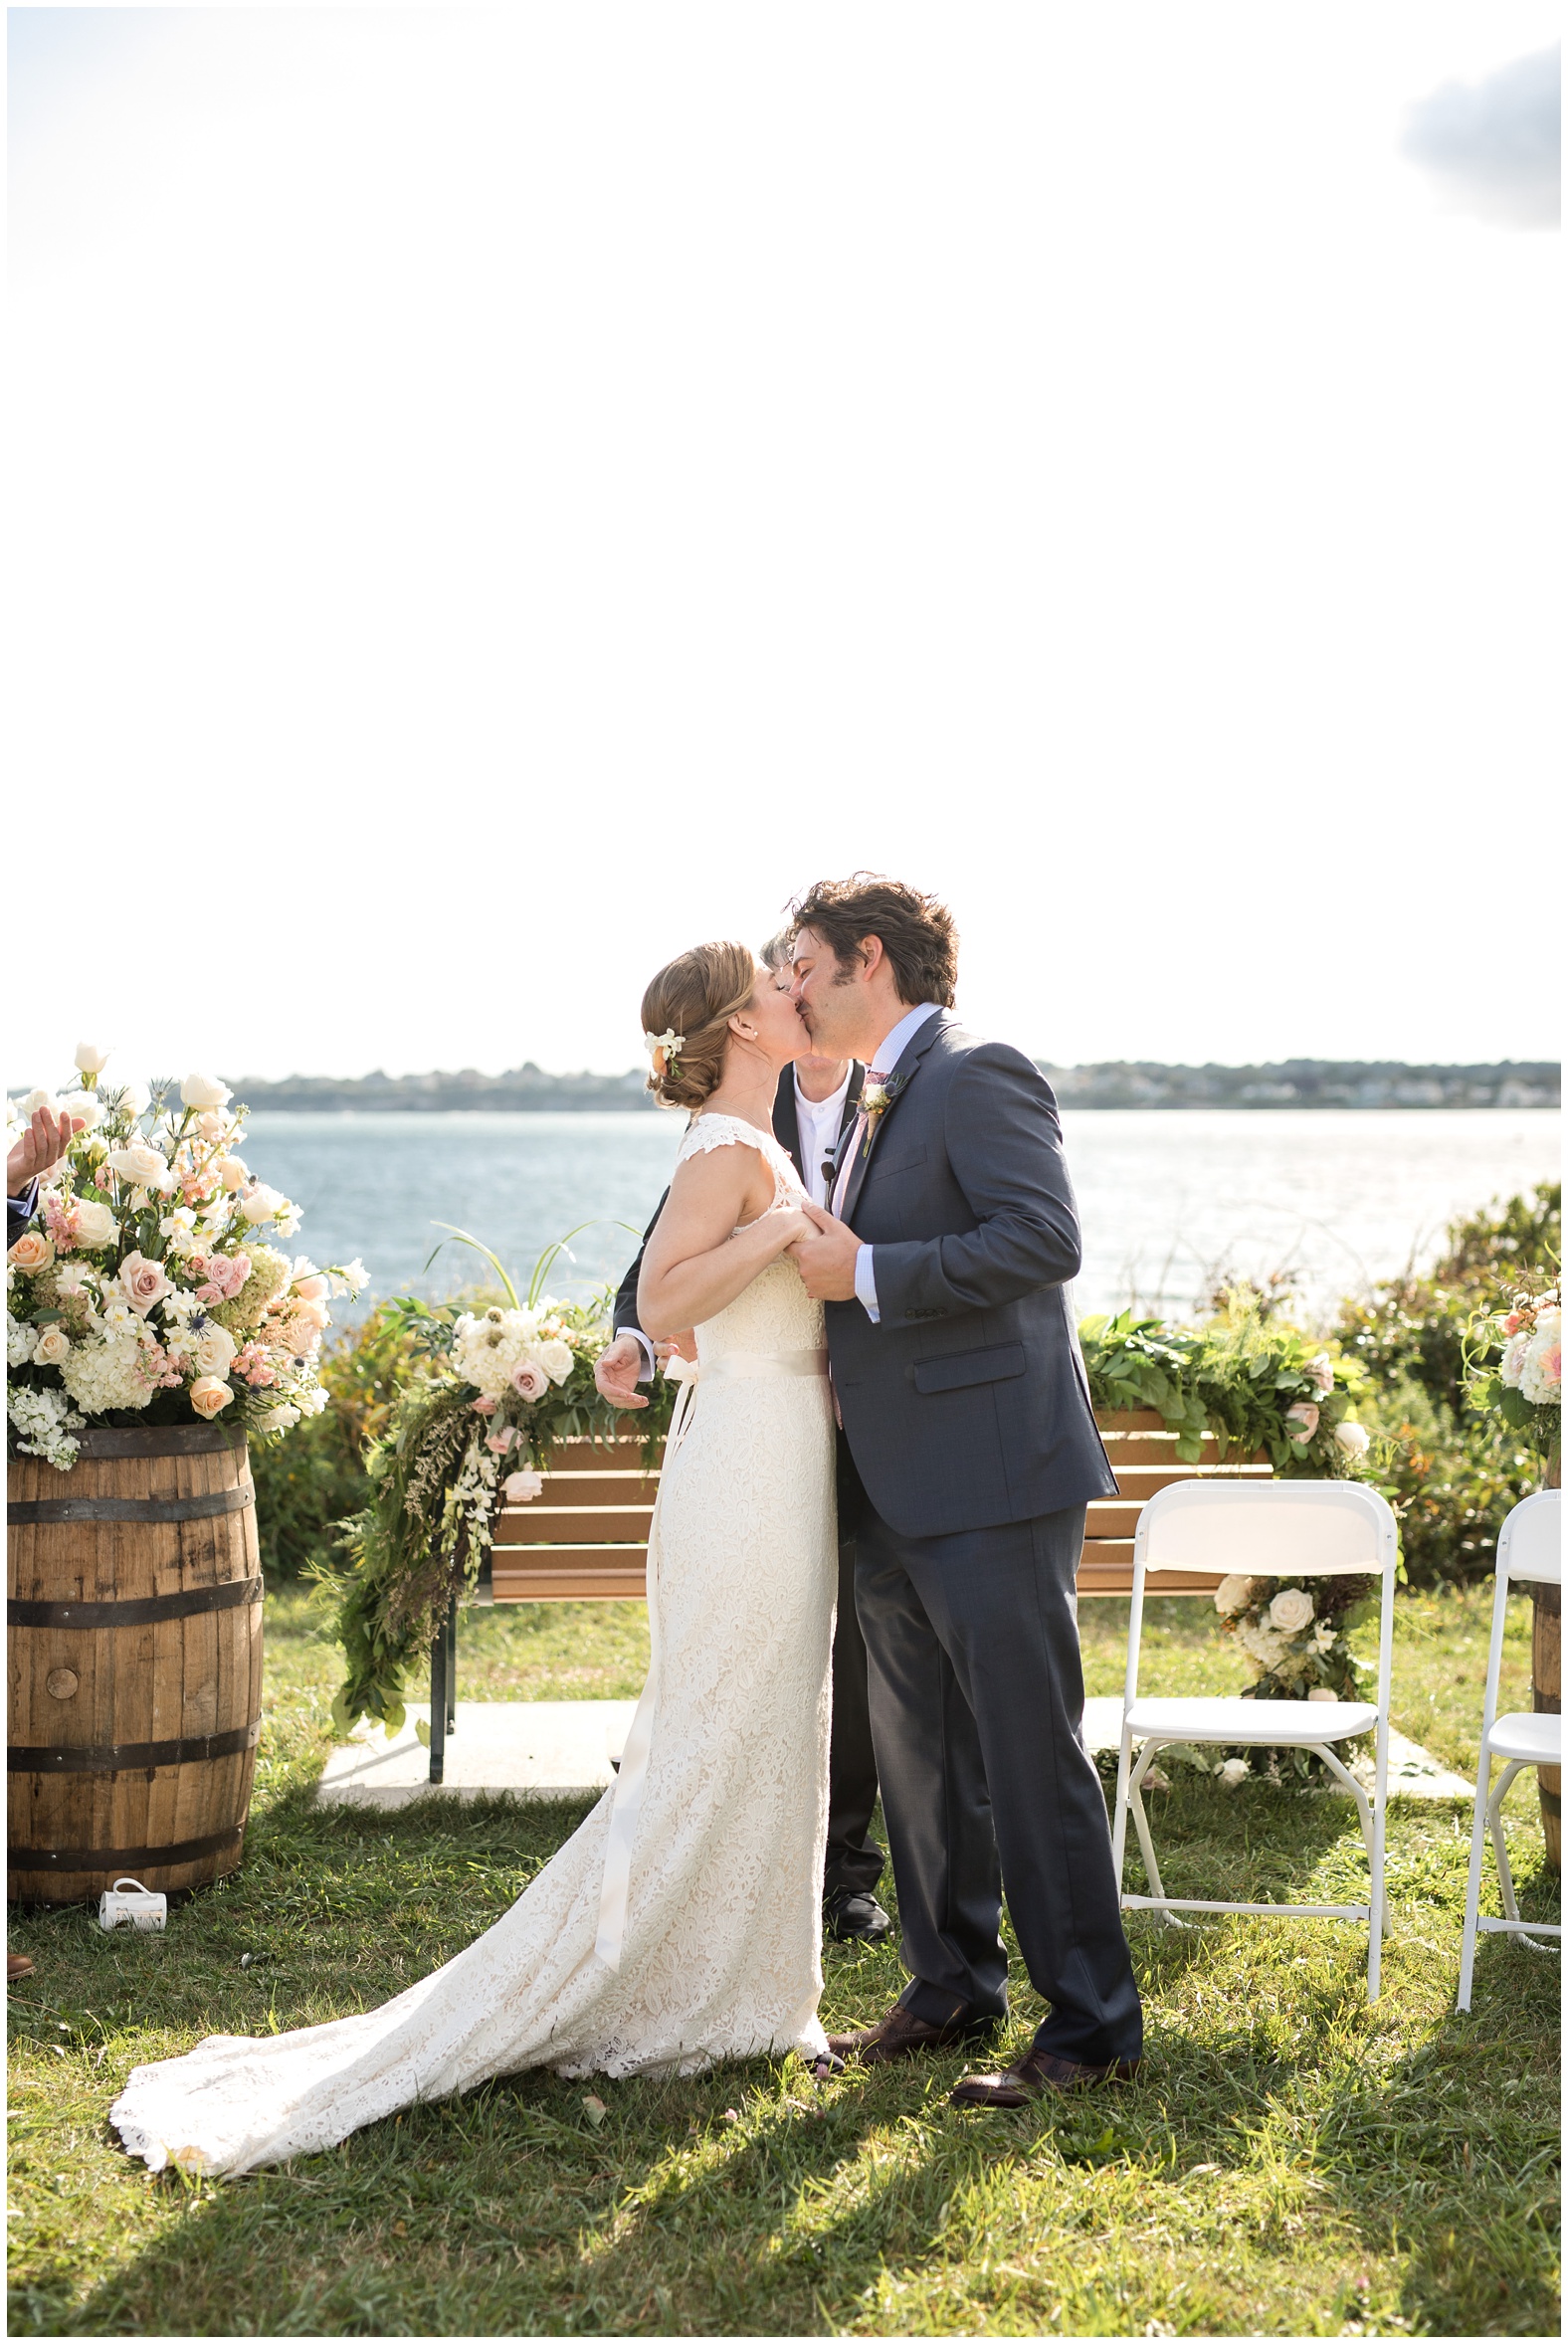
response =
{"points": [[733, 1366]]}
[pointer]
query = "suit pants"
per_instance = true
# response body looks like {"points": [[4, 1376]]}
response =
{"points": [[977, 1711], [854, 1861]]}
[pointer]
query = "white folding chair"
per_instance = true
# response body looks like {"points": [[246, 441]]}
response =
{"points": [[1274, 1530], [1528, 1547]]}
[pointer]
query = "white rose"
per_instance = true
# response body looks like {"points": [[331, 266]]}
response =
{"points": [[214, 1351], [1291, 1610], [233, 1172], [141, 1162], [135, 1099], [96, 1224], [1233, 1595], [1352, 1438], [522, 1488], [54, 1346], [1323, 1692], [260, 1205], [36, 1100], [1320, 1372], [556, 1361], [91, 1058], [205, 1091], [1232, 1773]]}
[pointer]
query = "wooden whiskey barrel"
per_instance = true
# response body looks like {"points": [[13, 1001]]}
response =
{"points": [[134, 1661], [1546, 1680]]}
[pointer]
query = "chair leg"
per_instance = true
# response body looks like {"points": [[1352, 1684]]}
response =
{"points": [[1141, 1824], [1372, 1834], [1472, 1884], [1118, 1826], [1511, 1903], [438, 1707]]}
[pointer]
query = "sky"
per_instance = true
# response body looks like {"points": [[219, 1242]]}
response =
{"points": [[497, 496]]}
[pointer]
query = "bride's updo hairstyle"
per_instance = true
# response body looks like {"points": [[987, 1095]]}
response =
{"points": [[696, 997]]}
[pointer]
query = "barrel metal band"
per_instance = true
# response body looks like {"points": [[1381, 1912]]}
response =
{"points": [[116, 1757], [94, 1859], [134, 1509], [135, 1611]]}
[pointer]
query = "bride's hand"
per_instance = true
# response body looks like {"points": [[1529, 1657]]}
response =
{"points": [[787, 1225]]}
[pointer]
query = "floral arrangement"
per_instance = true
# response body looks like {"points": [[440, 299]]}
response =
{"points": [[1514, 1367], [489, 1393], [142, 1289], [1256, 1382], [1294, 1636]]}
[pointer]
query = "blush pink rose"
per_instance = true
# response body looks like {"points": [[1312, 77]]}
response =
{"points": [[32, 1251], [522, 1488], [209, 1394], [499, 1443], [482, 1406], [142, 1282], [531, 1382], [312, 1290], [1305, 1416]]}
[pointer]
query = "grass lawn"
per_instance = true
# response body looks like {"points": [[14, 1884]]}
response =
{"points": [[1291, 2162]]}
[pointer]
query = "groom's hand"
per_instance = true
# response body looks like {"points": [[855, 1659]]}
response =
{"points": [[826, 1259], [616, 1372]]}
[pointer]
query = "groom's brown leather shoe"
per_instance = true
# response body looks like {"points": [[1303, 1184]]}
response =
{"points": [[1036, 2073], [901, 2035]]}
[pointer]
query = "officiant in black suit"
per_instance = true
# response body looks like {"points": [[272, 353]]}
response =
{"points": [[817, 1100]]}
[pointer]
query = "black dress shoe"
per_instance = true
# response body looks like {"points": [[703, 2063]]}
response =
{"points": [[857, 1916]]}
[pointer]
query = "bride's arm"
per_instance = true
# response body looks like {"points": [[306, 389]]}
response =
{"points": [[697, 1258]]}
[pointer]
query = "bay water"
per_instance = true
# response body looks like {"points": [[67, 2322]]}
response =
{"points": [[1170, 1200]]}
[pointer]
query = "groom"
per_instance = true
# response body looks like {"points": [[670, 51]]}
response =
{"points": [[944, 1263], [818, 1099]]}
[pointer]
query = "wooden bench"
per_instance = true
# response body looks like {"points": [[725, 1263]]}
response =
{"points": [[585, 1537]]}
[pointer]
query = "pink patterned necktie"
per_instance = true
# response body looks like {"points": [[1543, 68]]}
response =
{"points": [[857, 1140]]}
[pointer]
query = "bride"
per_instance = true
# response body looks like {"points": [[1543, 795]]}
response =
{"points": [[680, 1923]]}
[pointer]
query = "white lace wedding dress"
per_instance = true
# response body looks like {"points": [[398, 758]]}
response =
{"points": [[681, 1923]]}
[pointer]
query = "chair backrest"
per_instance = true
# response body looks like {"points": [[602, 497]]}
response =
{"points": [[1269, 1530], [1531, 1543], [1278, 1530]]}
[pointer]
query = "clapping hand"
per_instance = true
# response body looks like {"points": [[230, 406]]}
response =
{"points": [[825, 1257], [40, 1147]]}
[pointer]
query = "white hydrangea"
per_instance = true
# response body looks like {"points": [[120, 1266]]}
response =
{"points": [[1541, 1374], [1262, 1644], [107, 1374], [487, 1351], [21, 1340], [44, 1424]]}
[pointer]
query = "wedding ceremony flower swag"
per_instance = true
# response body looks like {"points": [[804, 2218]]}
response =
{"points": [[487, 1395], [1513, 1363], [141, 1289]]}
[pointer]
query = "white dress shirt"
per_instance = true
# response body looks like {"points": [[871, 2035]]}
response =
{"points": [[819, 1120], [888, 1056]]}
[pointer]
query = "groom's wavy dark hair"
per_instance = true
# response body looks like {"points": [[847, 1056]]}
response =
{"points": [[915, 931]]}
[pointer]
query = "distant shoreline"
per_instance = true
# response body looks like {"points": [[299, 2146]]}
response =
{"points": [[1296, 1084]]}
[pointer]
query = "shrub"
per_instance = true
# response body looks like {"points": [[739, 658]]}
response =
{"points": [[1453, 1471]]}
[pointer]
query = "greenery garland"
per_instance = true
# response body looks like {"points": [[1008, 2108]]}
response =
{"points": [[482, 1397], [1253, 1381]]}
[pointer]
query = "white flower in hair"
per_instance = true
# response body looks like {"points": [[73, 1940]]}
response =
{"points": [[663, 1049]]}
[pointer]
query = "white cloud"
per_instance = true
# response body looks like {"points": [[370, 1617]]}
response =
{"points": [[1494, 146]]}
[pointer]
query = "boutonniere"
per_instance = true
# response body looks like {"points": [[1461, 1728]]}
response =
{"points": [[876, 1100]]}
